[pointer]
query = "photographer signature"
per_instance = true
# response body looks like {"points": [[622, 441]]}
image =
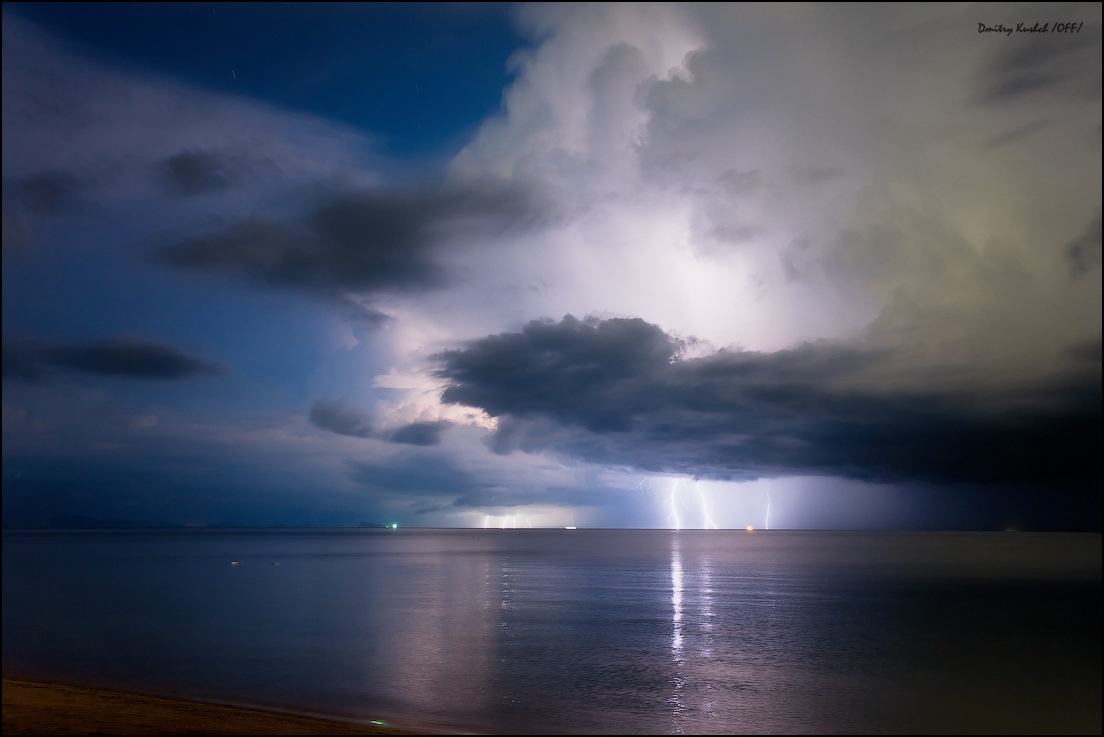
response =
{"points": [[1037, 28]]}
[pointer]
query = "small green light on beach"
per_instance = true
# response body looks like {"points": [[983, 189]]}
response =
{"points": [[394, 526], [377, 721]]}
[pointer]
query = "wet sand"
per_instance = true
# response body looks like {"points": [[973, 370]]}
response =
{"points": [[52, 708]]}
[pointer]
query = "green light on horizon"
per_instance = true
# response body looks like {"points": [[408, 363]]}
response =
{"points": [[394, 525]]}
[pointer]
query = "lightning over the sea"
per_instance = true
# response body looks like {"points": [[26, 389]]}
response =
{"points": [[766, 521], [671, 499], [680, 495], [707, 508]]}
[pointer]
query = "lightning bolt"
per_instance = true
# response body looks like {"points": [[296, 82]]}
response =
{"points": [[707, 508], [674, 507], [679, 495], [767, 520]]}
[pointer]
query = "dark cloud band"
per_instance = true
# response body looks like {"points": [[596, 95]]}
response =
{"points": [[29, 360], [618, 391], [360, 243]]}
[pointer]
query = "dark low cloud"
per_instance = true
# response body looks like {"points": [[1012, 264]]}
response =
{"points": [[337, 416], [197, 172], [362, 242], [419, 433], [358, 313], [1083, 252], [618, 391], [26, 359]]}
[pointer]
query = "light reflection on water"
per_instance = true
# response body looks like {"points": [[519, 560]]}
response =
{"points": [[676, 633], [576, 631]]}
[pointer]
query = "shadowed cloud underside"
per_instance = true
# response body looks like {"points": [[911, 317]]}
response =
{"points": [[617, 391]]}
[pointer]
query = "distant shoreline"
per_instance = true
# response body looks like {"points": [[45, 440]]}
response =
{"points": [[389, 529], [34, 707]]}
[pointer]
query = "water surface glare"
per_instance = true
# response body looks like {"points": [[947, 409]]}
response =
{"points": [[644, 631]]}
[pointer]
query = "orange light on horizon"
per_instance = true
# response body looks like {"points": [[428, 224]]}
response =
{"points": [[750, 528]]}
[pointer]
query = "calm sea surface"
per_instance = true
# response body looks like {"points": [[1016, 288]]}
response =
{"points": [[577, 631]]}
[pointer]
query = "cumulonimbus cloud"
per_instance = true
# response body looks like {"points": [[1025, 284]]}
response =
{"points": [[617, 391]]}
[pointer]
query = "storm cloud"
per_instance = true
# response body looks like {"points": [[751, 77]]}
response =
{"points": [[364, 242], [619, 391], [26, 359], [882, 228], [337, 416]]}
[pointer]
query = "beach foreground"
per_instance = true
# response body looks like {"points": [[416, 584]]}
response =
{"points": [[52, 708]]}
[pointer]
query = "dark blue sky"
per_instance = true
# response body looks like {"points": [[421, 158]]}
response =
{"points": [[420, 76]]}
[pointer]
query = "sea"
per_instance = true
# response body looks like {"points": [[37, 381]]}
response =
{"points": [[575, 631]]}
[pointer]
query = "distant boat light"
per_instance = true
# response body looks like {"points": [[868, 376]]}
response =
{"points": [[750, 528], [570, 527], [394, 526]]}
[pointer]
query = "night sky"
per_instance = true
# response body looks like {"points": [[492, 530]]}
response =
{"points": [[507, 265]]}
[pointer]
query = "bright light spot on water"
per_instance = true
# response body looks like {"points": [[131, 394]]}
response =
{"points": [[676, 603], [394, 526], [750, 528]]}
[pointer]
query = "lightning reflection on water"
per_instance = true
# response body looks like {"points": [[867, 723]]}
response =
{"points": [[678, 682]]}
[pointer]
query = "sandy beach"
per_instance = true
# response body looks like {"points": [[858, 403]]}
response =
{"points": [[31, 707]]}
